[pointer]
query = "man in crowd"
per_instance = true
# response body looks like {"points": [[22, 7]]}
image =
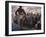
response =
{"points": [[20, 13]]}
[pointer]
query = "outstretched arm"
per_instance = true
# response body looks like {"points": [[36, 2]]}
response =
{"points": [[16, 12]]}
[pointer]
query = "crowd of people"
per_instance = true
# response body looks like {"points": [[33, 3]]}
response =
{"points": [[32, 21], [27, 21]]}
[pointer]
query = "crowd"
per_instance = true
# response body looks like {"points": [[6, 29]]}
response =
{"points": [[32, 21], [29, 21]]}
